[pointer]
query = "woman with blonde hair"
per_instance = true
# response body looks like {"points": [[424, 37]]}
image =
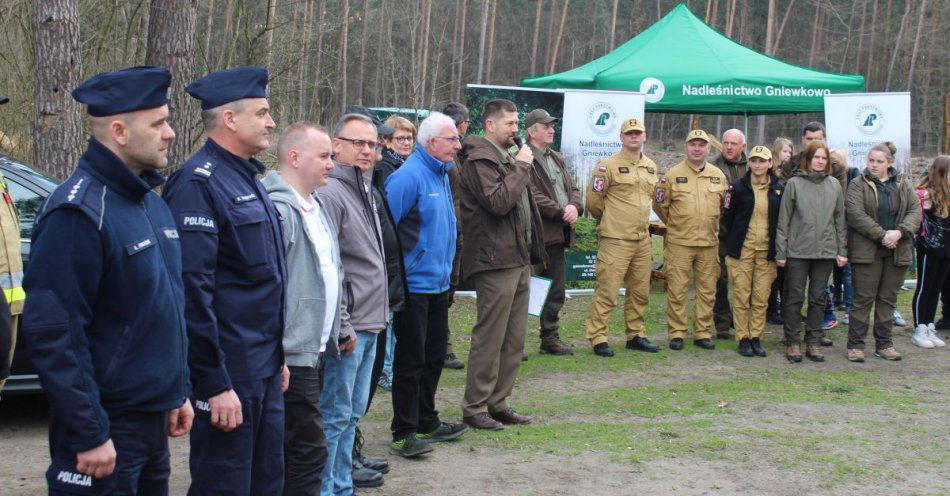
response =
{"points": [[883, 216], [933, 251], [809, 240]]}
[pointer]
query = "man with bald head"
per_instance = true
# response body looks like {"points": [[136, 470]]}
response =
{"points": [[314, 289], [732, 162]]}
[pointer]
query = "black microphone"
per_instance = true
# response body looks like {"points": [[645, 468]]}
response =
{"points": [[518, 142]]}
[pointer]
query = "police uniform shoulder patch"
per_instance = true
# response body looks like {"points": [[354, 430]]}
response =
{"points": [[81, 192], [204, 170], [598, 184]]}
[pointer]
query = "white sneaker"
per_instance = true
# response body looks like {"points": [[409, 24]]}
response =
{"points": [[899, 320], [932, 334], [921, 336]]}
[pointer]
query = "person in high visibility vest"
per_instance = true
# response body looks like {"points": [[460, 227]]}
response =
{"points": [[11, 277]]}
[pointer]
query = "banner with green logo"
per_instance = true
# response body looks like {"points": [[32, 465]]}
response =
{"points": [[856, 122]]}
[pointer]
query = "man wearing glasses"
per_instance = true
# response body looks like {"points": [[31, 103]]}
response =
{"points": [[350, 205], [420, 200]]}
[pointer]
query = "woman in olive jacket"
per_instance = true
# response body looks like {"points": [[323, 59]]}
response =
{"points": [[809, 240], [883, 214]]}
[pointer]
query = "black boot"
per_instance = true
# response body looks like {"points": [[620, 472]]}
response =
{"points": [[757, 347], [745, 347]]}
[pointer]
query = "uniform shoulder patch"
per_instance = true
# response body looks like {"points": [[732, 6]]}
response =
{"points": [[660, 194], [602, 168], [204, 170], [727, 200], [598, 183], [81, 192]]}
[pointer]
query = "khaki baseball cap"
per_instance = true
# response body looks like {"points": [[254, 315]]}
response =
{"points": [[539, 116], [698, 134], [632, 124], [761, 152]]}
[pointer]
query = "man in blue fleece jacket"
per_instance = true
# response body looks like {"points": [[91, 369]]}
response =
{"points": [[420, 200]]}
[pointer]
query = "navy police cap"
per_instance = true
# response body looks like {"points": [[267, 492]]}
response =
{"points": [[229, 85], [126, 90]]}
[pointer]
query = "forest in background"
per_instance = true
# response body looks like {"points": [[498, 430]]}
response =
{"points": [[326, 54]]}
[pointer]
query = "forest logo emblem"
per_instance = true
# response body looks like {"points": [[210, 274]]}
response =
{"points": [[869, 119], [653, 89], [602, 118]]}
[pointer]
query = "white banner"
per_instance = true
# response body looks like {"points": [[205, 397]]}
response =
{"points": [[857, 121], [590, 128]]}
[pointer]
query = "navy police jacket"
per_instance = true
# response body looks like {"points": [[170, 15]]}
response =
{"points": [[233, 269], [104, 321]]}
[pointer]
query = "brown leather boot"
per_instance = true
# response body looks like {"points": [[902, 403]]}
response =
{"points": [[793, 353], [814, 354], [555, 347]]}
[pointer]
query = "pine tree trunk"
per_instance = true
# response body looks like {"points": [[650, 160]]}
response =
{"points": [[57, 126], [913, 53], [269, 32], [362, 63], [171, 43], [209, 23], [481, 42], [491, 42], [867, 73], [461, 56], [341, 69], [303, 75], [897, 46], [534, 39], [613, 26], [560, 35]]}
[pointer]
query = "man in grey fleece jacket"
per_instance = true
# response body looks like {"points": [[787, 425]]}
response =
{"points": [[314, 289], [352, 208]]}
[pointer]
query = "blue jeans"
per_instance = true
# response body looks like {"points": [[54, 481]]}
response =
{"points": [[390, 348], [346, 383]]}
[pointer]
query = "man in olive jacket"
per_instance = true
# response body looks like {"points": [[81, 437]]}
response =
{"points": [[559, 203], [501, 223]]}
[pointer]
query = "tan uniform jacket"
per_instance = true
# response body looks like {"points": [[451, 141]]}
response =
{"points": [[619, 195], [11, 265], [690, 203]]}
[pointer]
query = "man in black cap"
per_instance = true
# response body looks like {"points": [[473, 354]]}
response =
{"points": [[235, 277], [104, 322]]}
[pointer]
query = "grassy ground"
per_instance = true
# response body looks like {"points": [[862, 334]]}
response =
{"points": [[835, 427]]}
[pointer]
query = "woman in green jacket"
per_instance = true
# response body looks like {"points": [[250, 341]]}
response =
{"points": [[809, 241], [883, 215]]}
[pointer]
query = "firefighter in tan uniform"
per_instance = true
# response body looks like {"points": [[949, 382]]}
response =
{"points": [[619, 194], [689, 200], [11, 271], [750, 219]]}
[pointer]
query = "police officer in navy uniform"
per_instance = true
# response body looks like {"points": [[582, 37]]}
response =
{"points": [[105, 323], [235, 279]]}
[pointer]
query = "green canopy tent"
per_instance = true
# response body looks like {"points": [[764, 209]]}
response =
{"points": [[685, 66]]}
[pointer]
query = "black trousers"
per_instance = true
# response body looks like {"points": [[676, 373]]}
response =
{"points": [[800, 272], [421, 332], [305, 443], [142, 458], [776, 295], [944, 299], [722, 312], [931, 278], [550, 313], [377, 371]]}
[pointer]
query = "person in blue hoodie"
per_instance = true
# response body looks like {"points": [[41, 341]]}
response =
{"points": [[420, 201], [105, 323]]}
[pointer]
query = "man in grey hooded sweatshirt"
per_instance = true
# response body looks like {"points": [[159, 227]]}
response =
{"points": [[314, 290]]}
